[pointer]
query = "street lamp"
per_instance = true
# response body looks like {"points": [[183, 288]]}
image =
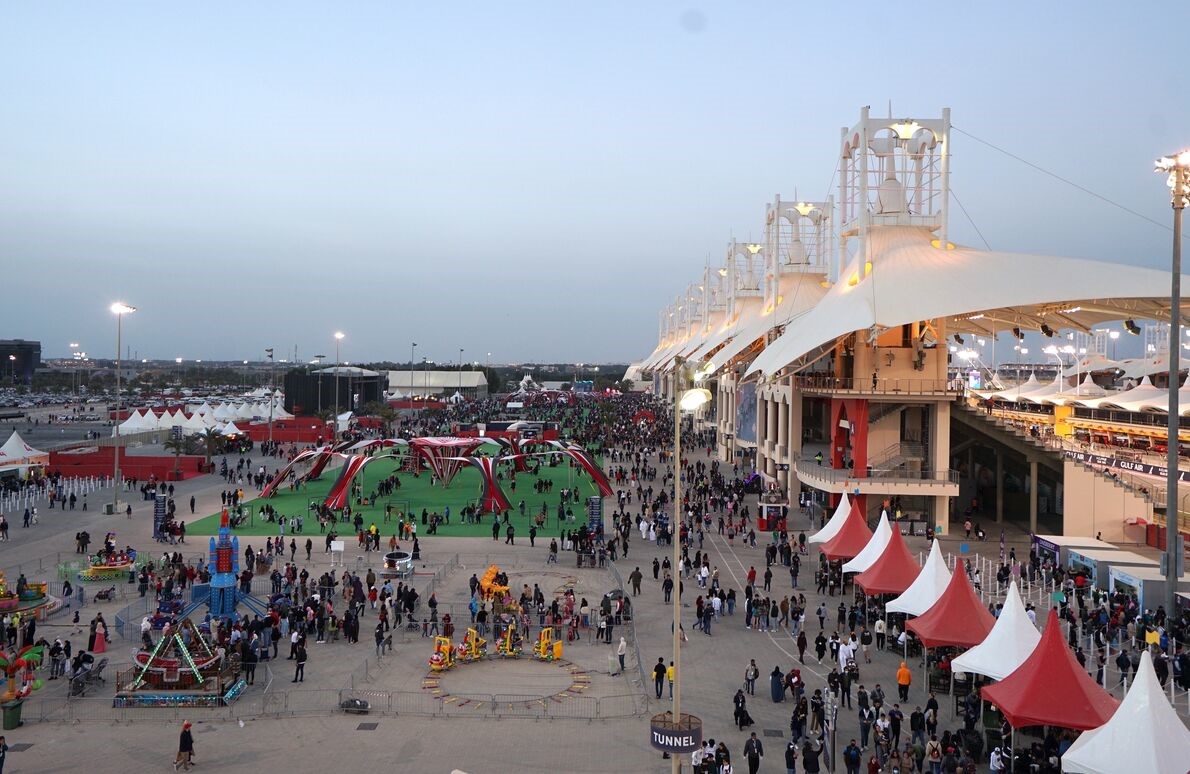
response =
{"points": [[12, 367], [1177, 167], [460, 372], [319, 359], [412, 350], [338, 338], [272, 387], [119, 309], [690, 400]]}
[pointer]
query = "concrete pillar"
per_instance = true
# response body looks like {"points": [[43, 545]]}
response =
{"points": [[999, 487], [939, 462], [1033, 496]]}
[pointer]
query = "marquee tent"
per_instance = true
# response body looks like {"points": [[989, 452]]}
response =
{"points": [[874, 548], [926, 588], [851, 539], [244, 412], [1011, 641], [193, 424], [1145, 734], [17, 453], [957, 619], [223, 412], [1051, 689], [893, 572], [835, 523], [230, 429], [135, 423]]}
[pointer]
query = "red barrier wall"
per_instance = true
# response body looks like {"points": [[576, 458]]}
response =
{"points": [[100, 462]]}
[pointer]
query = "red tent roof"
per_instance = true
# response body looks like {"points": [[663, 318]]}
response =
{"points": [[851, 537], [1051, 689], [958, 617], [893, 572]]}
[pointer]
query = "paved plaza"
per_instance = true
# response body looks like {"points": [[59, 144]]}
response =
{"points": [[494, 716]]}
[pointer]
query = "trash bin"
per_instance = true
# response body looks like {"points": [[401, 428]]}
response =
{"points": [[109, 509], [12, 714], [613, 664]]}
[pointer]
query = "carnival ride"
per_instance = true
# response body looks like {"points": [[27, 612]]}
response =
{"points": [[546, 648], [30, 598], [509, 644], [473, 647], [443, 657], [109, 564], [183, 668]]}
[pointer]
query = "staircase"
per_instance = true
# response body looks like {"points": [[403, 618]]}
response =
{"points": [[1150, 494], [1005, 427], [899, 456]]}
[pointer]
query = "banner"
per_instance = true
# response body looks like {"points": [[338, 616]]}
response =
{"points": [[1128, 465]]}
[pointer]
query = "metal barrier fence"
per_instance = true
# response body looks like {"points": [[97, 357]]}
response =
{"points": [[330, 700], [640, 665]]}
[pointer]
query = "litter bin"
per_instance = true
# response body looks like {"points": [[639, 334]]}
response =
{"points": [[12, 714], [613, 664], [109, 509]]}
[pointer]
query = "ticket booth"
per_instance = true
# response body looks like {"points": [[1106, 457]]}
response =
{"points": [[1056, 547], [1095, 563], [1147, 584]]}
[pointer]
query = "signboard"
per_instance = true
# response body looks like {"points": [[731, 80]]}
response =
{"points": [[160, 505], [745, 412], [671, 737], [1129, 465], [338, 545], [595, 514]]}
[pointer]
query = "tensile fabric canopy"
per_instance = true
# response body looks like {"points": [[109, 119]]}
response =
{"points": [[926, 587], [835, 523], [851, 538], [1012, 640]]}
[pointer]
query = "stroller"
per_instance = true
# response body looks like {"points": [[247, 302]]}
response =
{"points": [[851, 669]]}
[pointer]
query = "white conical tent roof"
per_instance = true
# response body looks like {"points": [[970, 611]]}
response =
{"points": [[875, 547], [231, 429], [15, 449], [224, 412], [204, 409], [1008, 644], [1145, 734], [134, 423], [193, 424], [925, 590], [279, 412], [244, 411], [208, 419], [832, 527]]}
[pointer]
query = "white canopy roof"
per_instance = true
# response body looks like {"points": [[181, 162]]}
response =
{"points": [[135, 423], [903, 278], [1011, 393], [244, 411], [204, 409], [832, 527], [1091, 362], [926, 588], [231, 429], [1145, 734], [194, 424], [15, 450], [875, 547], [1056, 387], [224, 412], [1010, 642], [1086, 389], [279, 412], [799, 293]]}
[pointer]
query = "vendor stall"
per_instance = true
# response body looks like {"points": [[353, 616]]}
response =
{"points": [[1056, 547], [1147, 584], [1095, 563]]}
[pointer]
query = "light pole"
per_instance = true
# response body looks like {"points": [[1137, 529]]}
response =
{"points": [[338, 338], [119, 309], [12, 368], [272, 387], [460, 372], [412, 354], [319, 359], [1113, 335], [74, 356], [1178, 169], [690, 400]]}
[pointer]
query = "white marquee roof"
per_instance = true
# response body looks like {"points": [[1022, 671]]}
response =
{"points": [[875, 547], [911, 280], [835, 523], [1145, 734], [15, 449], [1010, 642], [926, 588]]}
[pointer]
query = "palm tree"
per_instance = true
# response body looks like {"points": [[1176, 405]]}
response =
{"points": [[213, 442], [179, 447]]}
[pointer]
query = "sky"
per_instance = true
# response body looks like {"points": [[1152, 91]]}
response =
{"points": [[530, 180]]}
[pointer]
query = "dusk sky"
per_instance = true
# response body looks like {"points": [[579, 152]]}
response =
{"points": [[533, 180]]}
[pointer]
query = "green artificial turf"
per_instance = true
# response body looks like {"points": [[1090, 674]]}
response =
{"points": [[417, 494]]}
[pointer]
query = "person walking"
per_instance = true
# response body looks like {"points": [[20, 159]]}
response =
{"points": [[753, 753], [791, 757], [904, 680], [185, 758], [659, 676], [750, 674], [299, 672], [622, 651]]}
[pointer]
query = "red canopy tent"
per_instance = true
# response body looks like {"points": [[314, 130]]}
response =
{"points": [[958, 618], [1051, 689], [893, 572], [851, 537]]}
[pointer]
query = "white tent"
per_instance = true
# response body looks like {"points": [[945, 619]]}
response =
{"points": [[244, 411], [1145, 734], [832, 527], [16, 452], [208, 419], [224, 412], [1010, 642], [926, 588], [193, 425], [1012, 393], [1057, 386], [279, 412], [456, 398], [204, 409], [135, 423], [875, 547], [231, 429]]}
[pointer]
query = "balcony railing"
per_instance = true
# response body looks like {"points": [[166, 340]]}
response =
{"points": [[812, 469], [878, 386]]}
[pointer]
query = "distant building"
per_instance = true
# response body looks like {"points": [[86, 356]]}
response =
{"points": [[471, 384], [307, 393], [18, 360]]}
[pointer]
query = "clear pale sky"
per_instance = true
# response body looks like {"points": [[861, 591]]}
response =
{"points": [[532, 180]]}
